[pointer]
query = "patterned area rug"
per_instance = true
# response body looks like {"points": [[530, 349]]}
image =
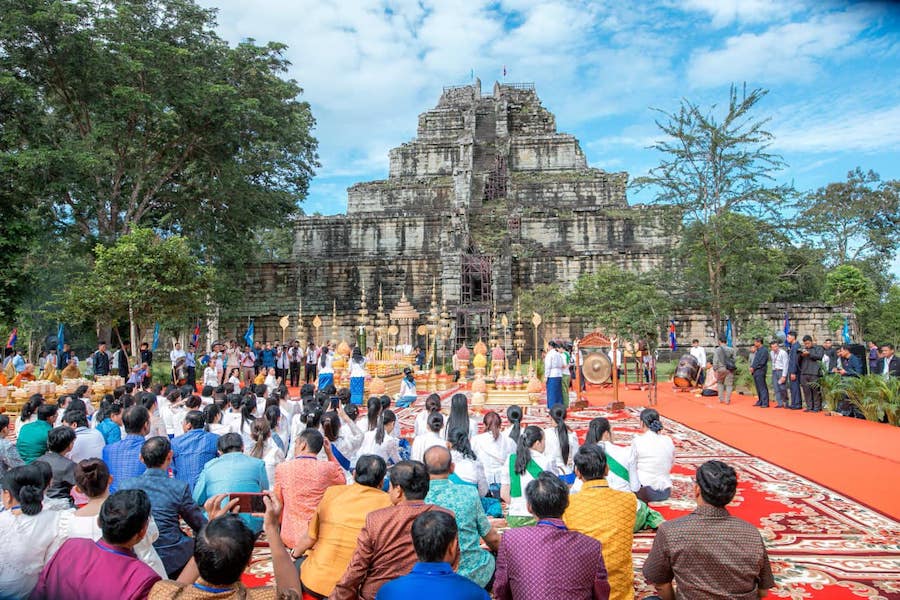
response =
{"points": [[821, 544]]}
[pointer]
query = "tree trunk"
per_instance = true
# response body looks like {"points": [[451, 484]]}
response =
{"points": [[132, 333]]}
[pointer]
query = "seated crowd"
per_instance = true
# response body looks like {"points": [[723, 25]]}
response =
{"points": [[138, 499]]}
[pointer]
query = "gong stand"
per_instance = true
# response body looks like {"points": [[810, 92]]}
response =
{"points": [[597, 368]]}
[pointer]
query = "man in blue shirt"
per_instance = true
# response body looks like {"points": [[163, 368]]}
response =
{"points": [[434, 536], [193, 449], [232, 472], [170, 500], [124, 457], [268, 357]]}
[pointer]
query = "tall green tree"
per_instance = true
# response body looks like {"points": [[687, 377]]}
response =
{"points": [[713, 167], [140, 279], [857, 219], [134, 113], [621, 302]]}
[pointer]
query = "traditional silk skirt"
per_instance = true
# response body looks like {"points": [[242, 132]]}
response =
{"points": [[357, 389], [325, 379], [554, 391]]}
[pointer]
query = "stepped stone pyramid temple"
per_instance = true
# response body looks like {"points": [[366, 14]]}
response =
{"points": [[487, 201]]}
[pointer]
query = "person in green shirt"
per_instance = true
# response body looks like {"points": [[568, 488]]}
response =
{"points": [[32, 439]]}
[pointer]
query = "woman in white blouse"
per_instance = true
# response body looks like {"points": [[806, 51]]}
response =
{"points": [[432, 404], [493, 448], [211, 377], [561, 444], [28, 533], [345, 437], [264, 448], [92, 479], [380, 441], [214, 420], [654, 457], [526, 464], [466, 465], [430, 437]]}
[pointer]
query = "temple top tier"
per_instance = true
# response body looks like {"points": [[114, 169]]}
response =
{"points": [[473, 146]]}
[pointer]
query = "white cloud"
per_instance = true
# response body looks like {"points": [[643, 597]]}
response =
{"points": [[793, 52], [725, 12], [862, 131]]}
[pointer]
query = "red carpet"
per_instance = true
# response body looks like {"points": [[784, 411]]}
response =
{"points": [[822, 544]]}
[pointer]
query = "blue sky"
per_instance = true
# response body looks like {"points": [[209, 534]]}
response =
{"points": [[369, 67]]}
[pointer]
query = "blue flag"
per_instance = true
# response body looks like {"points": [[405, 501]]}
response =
{"points": [[846, 332], [728, 339], [248, 337], [155, 337], [60, 337]]}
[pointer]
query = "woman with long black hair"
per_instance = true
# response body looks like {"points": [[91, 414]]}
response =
{"points": [[326, 370], [524, 466], [381, 441], [623, 474], [654, 456], [514, 416], [432, 404], [459, 416], [466, 465], [493, 448], [562, 444]]}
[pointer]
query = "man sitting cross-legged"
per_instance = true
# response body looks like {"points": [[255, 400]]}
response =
{"points": [[330, 540], [435, 539], [385, 550], [547, 560], [709, 553], [223, 551], [107, 568], [607, 515]]}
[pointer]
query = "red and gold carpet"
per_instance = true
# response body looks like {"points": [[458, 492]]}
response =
{"points": [[822, 545]]}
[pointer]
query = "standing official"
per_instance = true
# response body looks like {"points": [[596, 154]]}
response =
{"points": [[810, 371], [758, 369]]}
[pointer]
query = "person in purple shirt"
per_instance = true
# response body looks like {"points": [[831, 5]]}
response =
{"points": [[124, 457], [547, 560], [107, 568], [193, 449], [170, 501]]}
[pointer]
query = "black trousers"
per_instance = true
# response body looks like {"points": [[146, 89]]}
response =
{"points": [[762, 390], [310, 376], [295, 374], [192, 376], [811, 392]]}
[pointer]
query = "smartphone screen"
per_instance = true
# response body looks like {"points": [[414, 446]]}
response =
{"points": [[250, 502], [334, 402]]}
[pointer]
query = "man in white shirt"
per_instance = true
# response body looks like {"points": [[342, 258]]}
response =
{"points": [[176, 353], [295, 355], [699, 352], [779, 358]]}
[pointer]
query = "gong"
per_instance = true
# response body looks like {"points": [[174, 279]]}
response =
{"points": [[597, 368]]}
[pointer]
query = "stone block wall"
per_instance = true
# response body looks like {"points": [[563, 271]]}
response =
{"points": [[420, 159], [338, 237], [546, 153], [594, 189], [574, 233], [430, 194]]}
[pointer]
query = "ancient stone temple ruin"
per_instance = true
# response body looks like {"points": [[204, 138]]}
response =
{"points": [[488, 200]]}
